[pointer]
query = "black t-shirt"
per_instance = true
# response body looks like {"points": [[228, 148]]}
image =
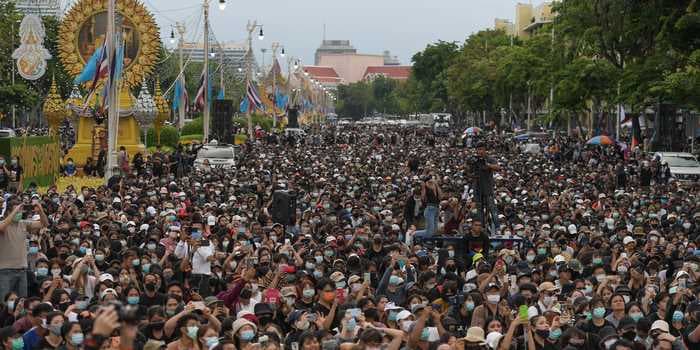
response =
{"points": [[691, 327], [156, 299]]}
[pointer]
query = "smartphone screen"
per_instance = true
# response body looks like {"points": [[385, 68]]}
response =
{"points": [[522, 312], [354, 312], [367, 277], [88, 251], [198, 305]]}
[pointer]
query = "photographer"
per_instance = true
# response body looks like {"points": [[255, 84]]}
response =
{"points": [[197, 255], [483, 167], [13, 244]]}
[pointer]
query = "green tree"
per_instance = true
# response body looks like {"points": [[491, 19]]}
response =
{"points": [[430, 73], [355, 100]]}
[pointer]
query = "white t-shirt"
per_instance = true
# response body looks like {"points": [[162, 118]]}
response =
{"points": [[200, 264]]}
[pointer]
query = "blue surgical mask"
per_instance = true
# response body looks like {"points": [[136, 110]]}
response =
{"points": [[351, 324], [555, 334], [42, 271], [599, 312], [33, 249], [192, 332], [247, 335], [77, 338], [132, 300]]}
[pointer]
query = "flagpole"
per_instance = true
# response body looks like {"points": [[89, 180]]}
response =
{"points": [[205, 116], [248, 71], [221, 71], [275, 46], [113, 109], [182, 106]]}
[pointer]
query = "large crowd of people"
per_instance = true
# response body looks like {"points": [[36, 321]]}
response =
{"points": [[359, 238]]}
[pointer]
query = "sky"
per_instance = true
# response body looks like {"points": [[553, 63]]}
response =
{"points": [[403, 27]]}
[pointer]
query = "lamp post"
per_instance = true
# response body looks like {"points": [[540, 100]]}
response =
{"points": [[251, 27], [275, 47], [181, 43]]}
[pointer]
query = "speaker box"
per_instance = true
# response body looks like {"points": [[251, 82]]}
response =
{"points": [[222, 124], [292, 117]]}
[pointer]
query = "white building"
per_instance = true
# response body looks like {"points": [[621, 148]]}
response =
{"points": [[41, 7]]}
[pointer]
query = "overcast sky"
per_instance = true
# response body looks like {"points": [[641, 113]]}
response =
{"points": [[401, 26]]}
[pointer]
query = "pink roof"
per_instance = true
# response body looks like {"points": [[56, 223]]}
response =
{"points": [[318, 71], [394, 72]]}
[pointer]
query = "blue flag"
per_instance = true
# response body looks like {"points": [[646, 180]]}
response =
{"points": [[177, 92], [244, 105], [119, 60], [88, 72], [221, 94]]}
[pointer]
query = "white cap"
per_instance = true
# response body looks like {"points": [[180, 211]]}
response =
{"points": [[211, 220], [144, 227], [628, 240], [572, 229], [116, 200], [106, 277]]}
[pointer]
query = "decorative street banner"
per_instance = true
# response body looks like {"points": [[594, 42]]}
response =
{"points": [[39, 156], [31, 55]]}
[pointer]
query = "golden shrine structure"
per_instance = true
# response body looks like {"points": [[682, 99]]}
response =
{"points": [[82, 31]]}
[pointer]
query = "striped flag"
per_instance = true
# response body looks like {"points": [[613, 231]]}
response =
{"points": [[253, 96], [102, 65], [201, 92], [636, 133], [180, 93], [114, 73]]}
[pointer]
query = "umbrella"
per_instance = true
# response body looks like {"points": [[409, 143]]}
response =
{"points": [[472, 130], [601, 140]]}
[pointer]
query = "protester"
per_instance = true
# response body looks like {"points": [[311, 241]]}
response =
{"points": [[361, 237]]}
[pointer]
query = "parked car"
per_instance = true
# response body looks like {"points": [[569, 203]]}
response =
{"points": [[7, 133], [218, 155], [683, 166]]}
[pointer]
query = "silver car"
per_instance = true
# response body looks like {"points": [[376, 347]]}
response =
{"points": [[216, 156]]}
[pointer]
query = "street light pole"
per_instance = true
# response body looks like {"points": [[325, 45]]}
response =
{"points": [[221, 70], [250, 27], [181, 110], [113, 109], [205, 113], [275, 47], [14, 108]]}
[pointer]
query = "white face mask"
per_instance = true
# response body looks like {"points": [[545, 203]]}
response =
{"points": [[547, 300], [493, 298], [406, 325]]}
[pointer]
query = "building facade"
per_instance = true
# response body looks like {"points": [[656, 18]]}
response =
{"points": [[333, 47], [327, 76], [351, 67], [392, 72], [529, 18], [505, 25], [40, 7]]}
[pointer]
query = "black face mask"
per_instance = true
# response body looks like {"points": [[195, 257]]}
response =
{"points": [[151, 287], [246, 294], [629, 335]]}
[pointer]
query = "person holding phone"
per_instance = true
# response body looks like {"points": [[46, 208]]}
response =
{"points": [[199, 254], [14, 229]]}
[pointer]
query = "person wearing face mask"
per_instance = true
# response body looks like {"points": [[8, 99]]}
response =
{"points": [[52, 339], [490, 309], [208, 337], [14, 228], [547, 300], [189, 328], [243, 332], [73, 336], [300, 323], [156, 324], [597, 320]]}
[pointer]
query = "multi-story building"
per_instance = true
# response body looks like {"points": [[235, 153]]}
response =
{"points": [[40, 7], [392, 72], [333, 47], [327, 76], [390, 60], [505, 25], [529, 18]]}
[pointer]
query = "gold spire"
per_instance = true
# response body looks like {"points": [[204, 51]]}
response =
{"points": [[54, 109], [161, 103]]}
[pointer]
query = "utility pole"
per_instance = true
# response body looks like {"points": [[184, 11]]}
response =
{"points": [[14, 108], [181, 110], [221, 70], [113, 109], [250, 27], [275, 47], [205, 116]]}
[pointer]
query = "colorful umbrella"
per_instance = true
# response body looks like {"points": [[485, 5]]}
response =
{"points": [[601, 140], [473, 130]]}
